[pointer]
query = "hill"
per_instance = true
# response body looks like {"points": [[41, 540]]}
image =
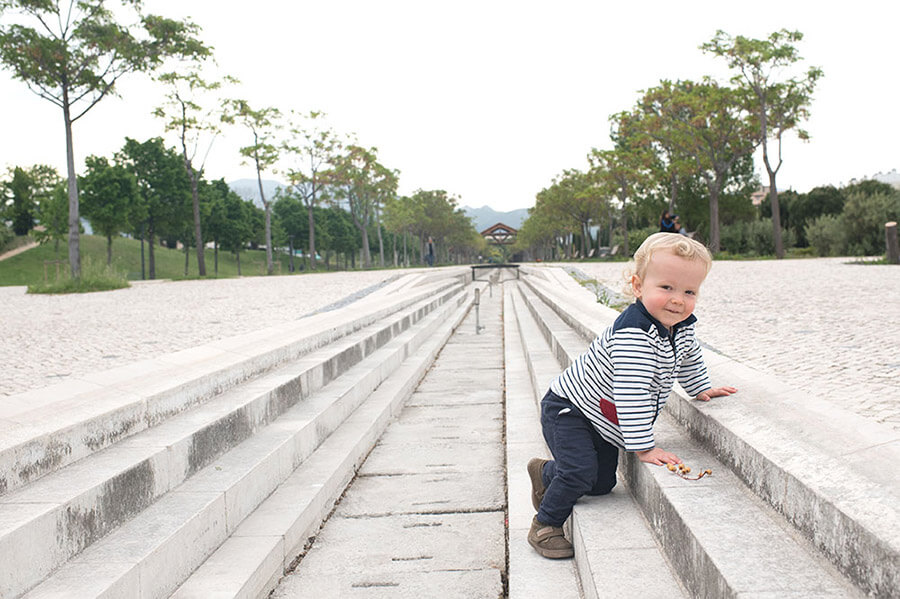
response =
{"points": [[486, 216]]}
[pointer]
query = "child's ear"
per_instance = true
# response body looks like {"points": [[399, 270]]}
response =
{"points": [[636, 286]]}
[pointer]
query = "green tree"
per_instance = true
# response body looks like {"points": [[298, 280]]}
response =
{"points": [[109, 196], [75, 53], [264, 151], [196, 126], [705, 123], [625, 170], [364, 183], [163, 188], [23, 194], [778, 105], [341, 235], [53, 217], [311, 148]]}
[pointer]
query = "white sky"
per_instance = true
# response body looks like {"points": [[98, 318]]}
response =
{"points": [[490, 100]]}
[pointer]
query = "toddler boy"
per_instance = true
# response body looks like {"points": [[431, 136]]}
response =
{"points": [[611, 395]]}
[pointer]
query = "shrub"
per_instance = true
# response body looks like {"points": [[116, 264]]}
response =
{"points": [[864, 218], [6, 236], [755, 238], [828, 235], [94, 277]]}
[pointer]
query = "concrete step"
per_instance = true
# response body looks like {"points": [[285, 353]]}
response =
{"points": [[530, 575], [830, 473], [61, 514], [758, 532], [614, 547], [278, 532], [425, 515], [46, 429]]}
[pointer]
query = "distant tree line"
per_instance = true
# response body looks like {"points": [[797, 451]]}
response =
{"points": [[72, 54], [687, 147]]}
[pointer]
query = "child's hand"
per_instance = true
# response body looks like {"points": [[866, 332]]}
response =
{"points": [[717, 392], [657, 456]]}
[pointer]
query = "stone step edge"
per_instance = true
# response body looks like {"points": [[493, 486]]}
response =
{"points": [[591, 547], [49, 438], [702, 573], [158, 460], [283, 525], [713, 529], [530, 576], [848, 516]]}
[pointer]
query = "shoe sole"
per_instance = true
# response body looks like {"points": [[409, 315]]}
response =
{"points": [[535, 466]]}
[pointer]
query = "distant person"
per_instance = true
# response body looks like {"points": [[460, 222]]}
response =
{"points": [[611, 395], [666, 223], [679, 228], [429, 246]]}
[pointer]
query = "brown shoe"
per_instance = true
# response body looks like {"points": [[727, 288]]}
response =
{"points": [[535, 468], [549, 541]]}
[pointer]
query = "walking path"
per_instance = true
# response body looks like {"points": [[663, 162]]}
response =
{"points": [[427, 508]]}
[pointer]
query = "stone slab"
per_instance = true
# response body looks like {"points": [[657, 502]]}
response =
{"points": [[467, 584], [435, 458], [424, 493], [355, 552]]}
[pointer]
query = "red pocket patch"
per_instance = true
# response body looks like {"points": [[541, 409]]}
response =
{"points": [[608, 409]]}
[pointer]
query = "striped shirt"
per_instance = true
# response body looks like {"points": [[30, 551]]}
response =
{"points": [[623, 379]]}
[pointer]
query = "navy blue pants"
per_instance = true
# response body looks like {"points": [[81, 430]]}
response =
{"points": [[583, 462]]}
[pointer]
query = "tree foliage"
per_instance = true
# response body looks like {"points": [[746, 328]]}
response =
{"points": [[777, 104], [109, 195], [310, 150], [364, 183]]}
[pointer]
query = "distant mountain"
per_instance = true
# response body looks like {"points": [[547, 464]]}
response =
{"points": [[486, 216], [249, 189]]}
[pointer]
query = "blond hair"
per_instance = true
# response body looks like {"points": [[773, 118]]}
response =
{"points": [[673, 243]]}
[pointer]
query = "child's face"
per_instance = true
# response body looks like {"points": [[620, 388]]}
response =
{"points": [[669, 287]]}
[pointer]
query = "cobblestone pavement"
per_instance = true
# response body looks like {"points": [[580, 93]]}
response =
{"points": [[46, 338], [826, 325]]}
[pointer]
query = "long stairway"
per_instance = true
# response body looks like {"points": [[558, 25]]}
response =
{"points": [[426, 513], [379, 450]]}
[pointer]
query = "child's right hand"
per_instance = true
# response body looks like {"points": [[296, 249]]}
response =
{"points": [[657, 456]]}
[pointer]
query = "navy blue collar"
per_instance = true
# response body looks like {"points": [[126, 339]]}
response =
{"points": [[660, 327]]}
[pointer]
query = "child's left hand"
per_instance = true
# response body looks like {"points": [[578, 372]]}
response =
{"points": [[717, 392]]}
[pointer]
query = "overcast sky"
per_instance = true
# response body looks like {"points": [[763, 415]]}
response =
{"points": [[490, 100]]}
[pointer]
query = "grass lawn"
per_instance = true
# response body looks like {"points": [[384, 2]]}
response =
{"points": [[32, 266]]}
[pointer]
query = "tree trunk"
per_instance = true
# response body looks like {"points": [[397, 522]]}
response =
{"points": [[270, 268], [109, 250], [714, 236], [237, 257], [311, 259], [673, 193], [151, 256], [198, 235], [74, 222], [626, 249], [380, 238], [776, 216], [187, 256], [773, 195], [216, 257]]}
